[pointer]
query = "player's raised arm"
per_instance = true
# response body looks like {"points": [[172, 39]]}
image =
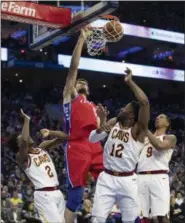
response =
{"points": [[144, 111], [58, 134], [169, 141], [69, 89], [50, 144], [53, 143], [23, 140]]}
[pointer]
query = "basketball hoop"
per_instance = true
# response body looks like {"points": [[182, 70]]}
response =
{"points": [[102, 32]]}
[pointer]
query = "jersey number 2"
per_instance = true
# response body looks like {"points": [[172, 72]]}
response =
{"points": [[117, 150], [48, 169], [149, 152]]}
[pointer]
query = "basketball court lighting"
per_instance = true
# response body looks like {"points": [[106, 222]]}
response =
{"points": [[16, 74], [20, 80]]}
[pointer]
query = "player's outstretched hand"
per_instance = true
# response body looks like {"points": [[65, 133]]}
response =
{"points": [[102, 112], [128, 75], [24, 115], [86, 32], [44, 132]]}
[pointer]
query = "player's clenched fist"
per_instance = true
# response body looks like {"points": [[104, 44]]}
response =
{"points": [[24, 115], [45, 132]]}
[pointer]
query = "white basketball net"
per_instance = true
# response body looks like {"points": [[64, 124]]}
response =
{"points": [[96, 42]]}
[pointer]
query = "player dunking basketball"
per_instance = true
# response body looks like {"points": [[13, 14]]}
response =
{"points": [[80, 119], [118, 182], [153, 168], [39, 168]]}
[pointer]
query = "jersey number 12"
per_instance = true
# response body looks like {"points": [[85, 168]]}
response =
{"points": [[117, 151]]}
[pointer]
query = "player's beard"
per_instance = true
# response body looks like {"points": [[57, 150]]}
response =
{"points": [[122, 117], [156, 125], [83, 91]]}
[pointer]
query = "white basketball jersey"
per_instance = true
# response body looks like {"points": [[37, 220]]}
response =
{"points": [[121, 151], [152, 159], [41, 170]]}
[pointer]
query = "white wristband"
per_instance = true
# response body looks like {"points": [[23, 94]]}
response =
{"points": [[97, 137]]}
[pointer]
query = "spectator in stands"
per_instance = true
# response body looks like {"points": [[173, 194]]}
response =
{"points": [[115, 215], [28, 195], [5, 204], [84, 215], [176, 211], [14, 214], [15, 200], [179, 200]]}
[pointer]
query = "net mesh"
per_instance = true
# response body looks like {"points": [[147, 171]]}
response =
{"points": [[96, 42], [103, 33]]}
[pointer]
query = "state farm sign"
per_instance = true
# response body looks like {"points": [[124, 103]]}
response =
{"points": [[33, 13], [12, 7]]}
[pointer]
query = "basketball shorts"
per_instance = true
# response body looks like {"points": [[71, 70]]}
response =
{"points": [[49, 205], [154, 191], [83, 157], [113, 189]]}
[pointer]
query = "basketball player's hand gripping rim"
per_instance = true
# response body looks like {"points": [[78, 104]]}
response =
{"points": [[86, 32], [24, 115], [44, 132], [128, 75]]}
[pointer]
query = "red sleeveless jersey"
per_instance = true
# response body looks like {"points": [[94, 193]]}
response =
{"points": [[80, 118]]}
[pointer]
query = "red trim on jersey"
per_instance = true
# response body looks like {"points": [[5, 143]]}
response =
{"points": [[48, 188], [121, 127], [28, 162], [119, 174], [35, 151], [154, 172]]}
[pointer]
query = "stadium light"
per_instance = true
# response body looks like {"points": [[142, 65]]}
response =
{"points": [[119, 68], [4, 54]]}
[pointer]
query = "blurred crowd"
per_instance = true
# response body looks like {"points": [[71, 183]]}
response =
{"points": [[17, 203]]}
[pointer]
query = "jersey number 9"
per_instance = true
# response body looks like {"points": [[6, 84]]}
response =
{"points": [[117, 151], [149, 152]]}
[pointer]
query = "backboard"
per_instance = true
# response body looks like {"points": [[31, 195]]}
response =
{"points": [[83, 13]]}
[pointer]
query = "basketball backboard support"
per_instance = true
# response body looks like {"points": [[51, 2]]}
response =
{"points": [[41, 36]]}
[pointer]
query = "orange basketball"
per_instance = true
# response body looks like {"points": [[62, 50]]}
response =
{"points": [[113, 31]]}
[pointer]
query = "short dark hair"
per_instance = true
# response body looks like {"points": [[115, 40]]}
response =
{"points": [[135, 107], [169, 122], [82, 79], [12, 142]]}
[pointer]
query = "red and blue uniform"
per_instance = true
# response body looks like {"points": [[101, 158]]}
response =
{"points": [[81, 155]]}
